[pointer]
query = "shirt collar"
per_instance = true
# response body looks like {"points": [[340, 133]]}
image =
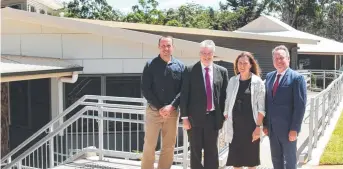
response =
{"points": [[282, 73], [172, 59], [210, 66]]}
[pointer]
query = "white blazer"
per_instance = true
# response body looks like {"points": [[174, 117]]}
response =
{"points": [[257, 100]]}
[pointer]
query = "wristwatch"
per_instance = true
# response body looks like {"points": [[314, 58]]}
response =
{"points": [[258, 125]]}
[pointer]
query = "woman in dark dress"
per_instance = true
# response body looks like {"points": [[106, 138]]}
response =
{"points": [[244, 110]]}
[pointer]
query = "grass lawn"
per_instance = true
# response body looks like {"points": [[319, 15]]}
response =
{"points": [[333, 153]]}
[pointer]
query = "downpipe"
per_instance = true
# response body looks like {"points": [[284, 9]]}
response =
{"points": [[60, 82]]}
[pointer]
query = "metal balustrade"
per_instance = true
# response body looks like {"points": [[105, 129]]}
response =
{"points": [[114, 127], [319, 109]]}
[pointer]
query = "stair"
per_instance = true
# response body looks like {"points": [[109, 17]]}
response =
{"points": [[106, 163]]}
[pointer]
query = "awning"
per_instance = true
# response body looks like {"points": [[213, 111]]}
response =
{"points": [[16, 68]]}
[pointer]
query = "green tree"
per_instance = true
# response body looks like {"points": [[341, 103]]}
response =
{"points": [[244, 11], [146, 12], [91, 9]]}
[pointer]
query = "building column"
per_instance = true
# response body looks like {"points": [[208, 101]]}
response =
{"points": [[294, 58], [4, 119], [55, 110]]}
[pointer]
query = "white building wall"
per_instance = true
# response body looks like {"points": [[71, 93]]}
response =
{"points": [[97, 54]]}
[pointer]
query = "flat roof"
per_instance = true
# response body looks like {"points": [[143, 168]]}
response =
{"points": [[27, 65]]}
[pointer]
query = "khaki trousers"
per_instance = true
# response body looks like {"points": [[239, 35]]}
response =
{"points": [[153, 124]]}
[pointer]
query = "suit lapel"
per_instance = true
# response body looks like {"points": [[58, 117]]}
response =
{"points": [[283, 80], [271, 84], [215, 79], [201, 78]]}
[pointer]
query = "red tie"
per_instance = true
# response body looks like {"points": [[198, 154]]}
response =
{"points": [[208, 90], [276, 85]]}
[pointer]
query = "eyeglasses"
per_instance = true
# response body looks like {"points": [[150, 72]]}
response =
{"points": [[206, 54]]}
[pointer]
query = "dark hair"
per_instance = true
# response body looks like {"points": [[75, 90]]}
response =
{"points": [[255, 68], [165, 37]]}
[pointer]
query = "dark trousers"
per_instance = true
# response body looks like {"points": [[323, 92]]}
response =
{"points": [[206, 138], [283, 151]]}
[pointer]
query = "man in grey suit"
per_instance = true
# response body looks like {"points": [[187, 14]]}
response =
{"points": [[202, 102]]}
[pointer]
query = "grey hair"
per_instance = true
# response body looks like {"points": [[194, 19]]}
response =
{"points": [[281, 47], [208, 44]]}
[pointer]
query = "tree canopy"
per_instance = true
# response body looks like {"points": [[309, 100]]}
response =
{"points": [[320, 17]]}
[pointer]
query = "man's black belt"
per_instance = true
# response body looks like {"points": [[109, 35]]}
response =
{"points": [[210, 112]]}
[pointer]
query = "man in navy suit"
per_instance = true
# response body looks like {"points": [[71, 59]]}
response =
{"points": [[285, 107]]}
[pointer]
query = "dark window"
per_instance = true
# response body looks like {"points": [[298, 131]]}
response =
{"points": [[29, 109], [32, 9], [19, 103], [83, 86], [123, 86], [16, 6]]}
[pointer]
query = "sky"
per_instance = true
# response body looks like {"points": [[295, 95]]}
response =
{"points": [[126, 5]]}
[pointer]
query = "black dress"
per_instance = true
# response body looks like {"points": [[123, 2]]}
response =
{"points": [[242, 151]]}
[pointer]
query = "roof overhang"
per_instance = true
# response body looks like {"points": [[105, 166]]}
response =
{"points": [[200, 32], [321, 53], [16, 68], [221, 53], [53, 4], [267, 25]]}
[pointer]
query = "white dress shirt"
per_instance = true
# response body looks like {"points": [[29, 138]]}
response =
{"points": [[210, 72]]}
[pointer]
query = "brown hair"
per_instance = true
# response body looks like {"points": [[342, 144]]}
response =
{"points": [[165, 37], [255, 68]]}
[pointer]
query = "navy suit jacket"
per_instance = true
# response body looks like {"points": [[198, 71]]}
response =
{"points": [[285, 111]]}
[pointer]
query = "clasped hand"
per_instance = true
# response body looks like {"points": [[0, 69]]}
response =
{"points": [[166, 111]]}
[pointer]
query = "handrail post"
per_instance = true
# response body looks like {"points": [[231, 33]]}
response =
{"points": [[185, 149], [324, 78], [324, 112], [310, 80], [316, 125], [9, 159], [101, 131], [310, 136], [51, 149]]}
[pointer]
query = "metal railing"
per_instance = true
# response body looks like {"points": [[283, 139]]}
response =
{"points": [[320, 108], [81, 130], [114, 127], [107, 126], [318, 80]]}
